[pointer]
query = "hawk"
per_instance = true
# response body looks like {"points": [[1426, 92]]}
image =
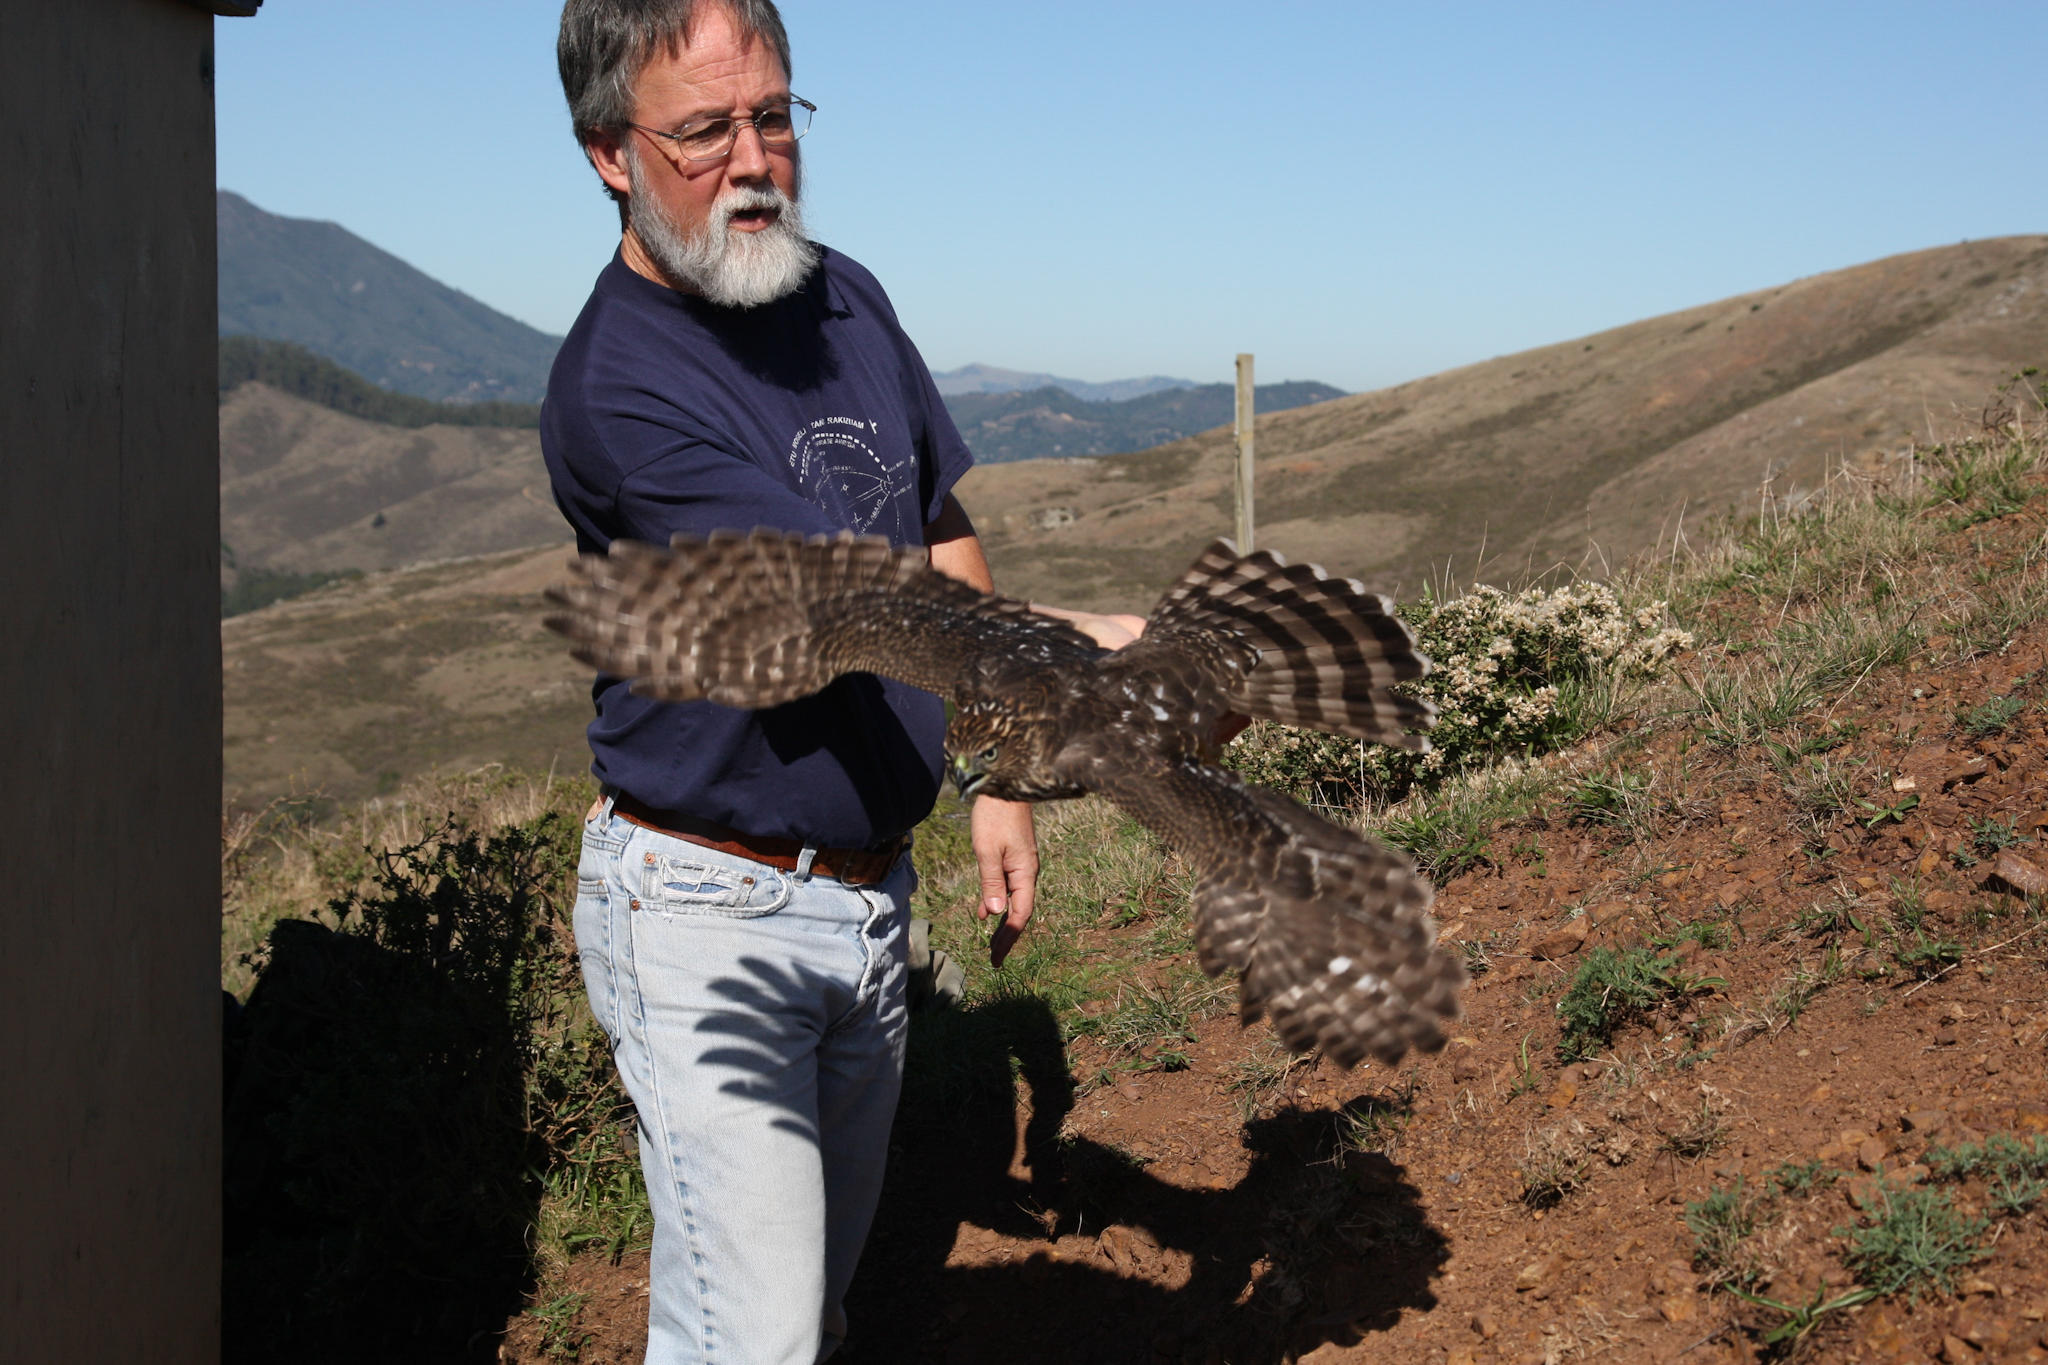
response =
{"points": [[1327, 931]]}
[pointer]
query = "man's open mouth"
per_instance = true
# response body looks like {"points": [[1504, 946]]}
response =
{"points": [[752, 220]]}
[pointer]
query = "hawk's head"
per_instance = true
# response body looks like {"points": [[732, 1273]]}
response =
{"points": [[994, 749]]}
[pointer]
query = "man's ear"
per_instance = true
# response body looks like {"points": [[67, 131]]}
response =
{"points": [[607, 153]]}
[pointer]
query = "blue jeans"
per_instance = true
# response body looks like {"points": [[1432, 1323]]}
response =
{"points": [[758, 1020]]}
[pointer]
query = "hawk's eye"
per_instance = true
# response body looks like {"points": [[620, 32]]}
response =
{"points": [[988, 755]]}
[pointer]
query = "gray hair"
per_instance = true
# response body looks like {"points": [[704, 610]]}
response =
{"points": [[605, 44]]}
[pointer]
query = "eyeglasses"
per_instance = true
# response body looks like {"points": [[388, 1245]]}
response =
{"points": [[709, 139]]}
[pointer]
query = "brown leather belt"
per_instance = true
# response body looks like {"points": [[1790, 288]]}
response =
{"points": [[854, 866]]}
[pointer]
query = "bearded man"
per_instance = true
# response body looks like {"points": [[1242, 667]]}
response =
{"points": [[743, 895]]}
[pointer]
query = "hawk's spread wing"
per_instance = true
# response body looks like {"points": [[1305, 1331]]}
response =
{"points": [[1328, 932], [1290, 643], [759, 619]]}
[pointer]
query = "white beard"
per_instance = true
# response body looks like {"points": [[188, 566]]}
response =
{"points": [[731, 269]]}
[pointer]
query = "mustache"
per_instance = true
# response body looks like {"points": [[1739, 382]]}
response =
{"points": [[744, 198]]}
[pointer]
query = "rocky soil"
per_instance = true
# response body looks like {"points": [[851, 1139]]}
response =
{"points": [[1850, 986]]}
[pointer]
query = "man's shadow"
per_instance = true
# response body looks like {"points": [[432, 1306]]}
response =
{"points": [[1308, 1247]]}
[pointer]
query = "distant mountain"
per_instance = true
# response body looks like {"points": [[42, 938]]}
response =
{"points": [[1052, 421], [991, 379], [320, 285]]}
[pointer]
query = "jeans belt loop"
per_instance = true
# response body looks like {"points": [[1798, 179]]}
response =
{"points": [[802, 871]]}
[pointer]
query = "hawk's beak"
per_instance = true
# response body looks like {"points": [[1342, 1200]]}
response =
{"points": [[968, 775]]}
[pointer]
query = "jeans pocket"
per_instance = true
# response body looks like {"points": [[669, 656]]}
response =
{"points": [[591, 925], [678, 884]]}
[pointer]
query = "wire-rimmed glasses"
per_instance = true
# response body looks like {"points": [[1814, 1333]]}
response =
{"points": [[779, 124]]}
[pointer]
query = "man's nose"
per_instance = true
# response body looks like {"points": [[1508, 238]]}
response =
{"points": [[748, 159]]}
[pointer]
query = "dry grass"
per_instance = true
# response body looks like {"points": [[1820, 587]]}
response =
{"points": [[277, 861]]}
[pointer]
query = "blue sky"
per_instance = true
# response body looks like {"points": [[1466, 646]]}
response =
{"points": [[1359, 193]]}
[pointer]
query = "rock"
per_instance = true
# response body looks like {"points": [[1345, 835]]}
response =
{"points": [[1976, 1284], [1679, 1307], [1562, 941], [1536, 1274], [1925, 1121], [1945, 1037], [1132, 1251], [1565, 1092], [2021, 875], [1485, 1325], [1984, 1332], [1955, 1351], [1968, 771], [1461, 1355], [1884, 1340], [1670, 1279], [1870, 1153]]}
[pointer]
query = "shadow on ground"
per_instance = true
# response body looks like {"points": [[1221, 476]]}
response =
{"points": [[381, 1166], [374, 1208], [1303, 1250]]}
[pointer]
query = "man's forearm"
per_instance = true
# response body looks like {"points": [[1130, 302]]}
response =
{"points": [[956, 552], [956, 549]]}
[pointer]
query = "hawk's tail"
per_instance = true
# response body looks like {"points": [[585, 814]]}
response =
{"points": [[1330, 652]]}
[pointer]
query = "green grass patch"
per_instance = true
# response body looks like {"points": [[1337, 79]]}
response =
{"points": [[1989, 718], [1723, 1226], [1913, 1240], [1615, 987]]}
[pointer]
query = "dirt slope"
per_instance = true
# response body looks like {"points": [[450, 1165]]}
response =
{"points": [[1537, 456], [352, 689], [1161, 1226], [1854, 984], [304, 487]]}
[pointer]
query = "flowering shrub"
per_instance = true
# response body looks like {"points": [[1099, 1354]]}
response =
{"points": [[1500, 659]]}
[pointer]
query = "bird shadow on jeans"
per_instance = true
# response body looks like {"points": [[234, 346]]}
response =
{"points": [[1313, 1245]]}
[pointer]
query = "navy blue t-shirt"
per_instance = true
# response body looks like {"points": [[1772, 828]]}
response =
{"points": [[815, 413]]}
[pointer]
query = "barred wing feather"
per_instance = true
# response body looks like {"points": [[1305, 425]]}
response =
{"points": [[758, 619]]}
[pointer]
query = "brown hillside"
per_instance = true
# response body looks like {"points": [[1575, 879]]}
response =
{"points": [[1543, 455], [1536, 456], [302, 487], [349, 690]]}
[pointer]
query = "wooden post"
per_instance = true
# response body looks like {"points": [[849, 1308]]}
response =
{"points": [[1244, 453]]}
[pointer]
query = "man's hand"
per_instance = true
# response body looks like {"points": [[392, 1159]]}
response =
{"points": [[1111, 631], [1007, 850]]}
